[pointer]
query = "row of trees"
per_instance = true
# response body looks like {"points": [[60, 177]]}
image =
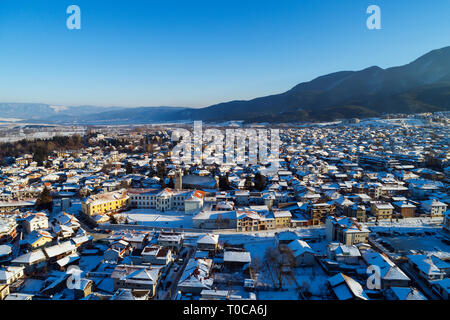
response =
{"points": [[258, 182], [40, 148]]}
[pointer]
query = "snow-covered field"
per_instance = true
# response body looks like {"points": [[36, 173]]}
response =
{"points": [[153, 218], [409, 222]]}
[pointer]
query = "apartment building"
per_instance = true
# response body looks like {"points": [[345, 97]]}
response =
{"points": [[104, 203], [189, 201], [381, 210], [345, 230]]}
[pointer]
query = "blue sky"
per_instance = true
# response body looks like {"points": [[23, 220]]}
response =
{"points": [[196, 53]]}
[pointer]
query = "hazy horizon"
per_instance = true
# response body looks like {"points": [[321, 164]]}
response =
{"points": [[183, 54]]}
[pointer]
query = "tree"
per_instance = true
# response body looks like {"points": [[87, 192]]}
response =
{"points": [[255, 266], [161, 170], [129, 168], [44, 201], [171, 184], [260, 182], [124, 184], [224, 183], [248, 183], [274, 264], [278, 263], [40, 155]]}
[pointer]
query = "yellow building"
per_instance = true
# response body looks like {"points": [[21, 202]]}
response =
{"points": [[282, 219], [4, 291], [39, 238], [381, 210], [104, 203]]}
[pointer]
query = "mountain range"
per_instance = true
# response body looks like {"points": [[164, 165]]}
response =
{"points": [[420, 86]]}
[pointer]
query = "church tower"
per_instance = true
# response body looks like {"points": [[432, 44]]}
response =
{"points": [[178, 180]]}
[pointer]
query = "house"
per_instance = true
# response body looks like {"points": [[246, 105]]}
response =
{"points": [[59, 251], [35, 221], [302, 252], [401, 293], [405, 209], [442, 287], [345, 288], [196, 276], [242, 197], [137, 277], [11, 274], [171, 239], [38, 238], [5, 253], [434, 207], [66, 261], [430, 267], [8, 229], [112, 256], [236, 260], [381, 210], [67, 221], [285, 237], [343, 253], [32, 261], [130, 294], [136, 240], [82, 240], [82, 288], [4, 291], [214, 294], [446, 222], [247, 220], [158, 255], [208, 242], [215, 220], [19, 296], [282, 219], [122, 246], [320, 211], [345, 230], [391, 275], [357, 211]]}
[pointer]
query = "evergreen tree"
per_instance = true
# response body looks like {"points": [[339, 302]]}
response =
{"points": [[129, 168], [44, 201], [224, 183], [248, 183], [40, 155], [161, 170], [171, 184], [260, 182]]}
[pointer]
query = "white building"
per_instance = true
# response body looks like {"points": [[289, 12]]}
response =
{"points": [[189, 201], [303, 254], [434, 207], [35, 222], [11, 274]]}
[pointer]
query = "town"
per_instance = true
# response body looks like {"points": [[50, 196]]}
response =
{"points": [[103, 213]]}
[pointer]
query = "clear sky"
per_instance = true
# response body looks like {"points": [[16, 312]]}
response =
{"points": [[200, 52]]}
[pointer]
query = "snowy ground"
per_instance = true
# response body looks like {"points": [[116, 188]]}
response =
{"points": [[153, 218], [90, 263], [404, 239], [408, 222]]}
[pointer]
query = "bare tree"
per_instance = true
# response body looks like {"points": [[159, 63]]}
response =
{"points": [[279, 263]]}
